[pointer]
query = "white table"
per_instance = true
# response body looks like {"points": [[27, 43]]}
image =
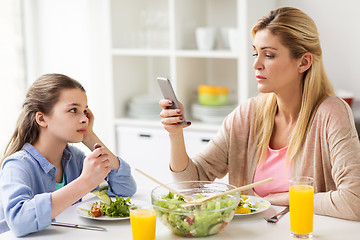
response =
{"points": [[241, 227]]}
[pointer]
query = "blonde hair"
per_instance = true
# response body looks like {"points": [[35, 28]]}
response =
{"points": [[42, 95], [298, 32]]}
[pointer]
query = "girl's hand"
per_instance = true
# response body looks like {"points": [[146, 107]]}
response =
{"points": [[171, 118], [91, 118], [96, 167], [89, 130], [90, 139]]}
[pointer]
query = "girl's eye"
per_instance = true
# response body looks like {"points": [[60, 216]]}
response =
{"points": [[269, 56], [73, 110], [255, 55], [85, 112]]}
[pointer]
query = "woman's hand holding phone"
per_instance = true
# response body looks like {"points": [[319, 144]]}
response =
{"points": [[171, 118]]}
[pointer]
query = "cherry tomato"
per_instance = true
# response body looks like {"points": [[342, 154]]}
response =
{"points": [[189, 220], [95, 211]]}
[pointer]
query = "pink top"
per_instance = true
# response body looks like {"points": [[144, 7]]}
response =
{"points": [[275, 166]]}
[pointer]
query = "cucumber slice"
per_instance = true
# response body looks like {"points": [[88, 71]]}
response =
{"points": [[103, 196], [216, 227]]}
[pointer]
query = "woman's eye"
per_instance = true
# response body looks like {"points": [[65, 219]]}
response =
{"points": [[269, 55], [255, 54], [73, 110], [85, 112]]}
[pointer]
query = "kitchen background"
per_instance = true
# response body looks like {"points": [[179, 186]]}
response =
{"points": [[117, 48]]}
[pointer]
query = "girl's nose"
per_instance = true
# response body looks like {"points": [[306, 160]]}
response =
{"points": [[84, 119]]}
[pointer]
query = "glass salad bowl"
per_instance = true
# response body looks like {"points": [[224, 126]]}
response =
{"points": [[188, 220]]}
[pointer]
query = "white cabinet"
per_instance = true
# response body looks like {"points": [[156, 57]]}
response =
{"points": [[148, 149]]}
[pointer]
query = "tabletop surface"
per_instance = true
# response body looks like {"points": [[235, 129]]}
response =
{"points": [[241, 227]]}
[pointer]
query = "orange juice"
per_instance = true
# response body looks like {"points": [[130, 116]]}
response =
{"points": [[143, 224], [301, 209]]}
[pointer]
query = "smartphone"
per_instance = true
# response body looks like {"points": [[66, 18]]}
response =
{"points": [[168, 93]]}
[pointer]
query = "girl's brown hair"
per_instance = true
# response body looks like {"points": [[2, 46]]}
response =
{"points": [[42, 95]]}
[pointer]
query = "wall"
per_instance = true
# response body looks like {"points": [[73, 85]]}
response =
{"points": [[68, 37], [337, 23]]}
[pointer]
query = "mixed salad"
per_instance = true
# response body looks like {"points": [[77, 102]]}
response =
{"points": [[118, 208], [245, 206], [198, 221]]}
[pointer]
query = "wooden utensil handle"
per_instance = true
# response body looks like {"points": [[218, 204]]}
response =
{"points": [[163, 185], [201, 200]]}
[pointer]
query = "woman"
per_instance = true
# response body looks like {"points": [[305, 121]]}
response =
{"points": [[41, 175], [296, 126]]}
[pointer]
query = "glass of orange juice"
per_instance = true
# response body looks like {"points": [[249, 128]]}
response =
{"points": [[301, 191], [143, 223]]}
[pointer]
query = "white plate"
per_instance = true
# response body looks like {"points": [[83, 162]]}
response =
{"points": [[253, 200], [87, 205]]}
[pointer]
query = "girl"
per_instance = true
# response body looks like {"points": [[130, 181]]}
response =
{"points": [[295, 127], [41, 175]]}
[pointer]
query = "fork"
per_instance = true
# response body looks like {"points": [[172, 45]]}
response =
{"points": [[276, 217]]}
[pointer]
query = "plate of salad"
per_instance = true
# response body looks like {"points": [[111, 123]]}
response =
{"points": [[251, 205], [108, 209]]}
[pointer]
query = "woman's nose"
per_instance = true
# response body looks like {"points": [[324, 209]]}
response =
{"points": [[258, 64]]}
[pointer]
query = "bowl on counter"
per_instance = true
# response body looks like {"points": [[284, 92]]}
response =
{"points": [[195, 221], [211, 114], [347, 96], [210, 95]]}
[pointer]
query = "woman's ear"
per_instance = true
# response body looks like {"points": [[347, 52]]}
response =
{"points": [[41, 119], [305, 62]]}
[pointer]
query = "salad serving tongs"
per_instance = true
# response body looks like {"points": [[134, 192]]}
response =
{"points": [[243, 188], [187, 198]]}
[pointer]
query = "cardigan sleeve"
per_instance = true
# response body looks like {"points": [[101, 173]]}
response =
{"points": [[211, 162], [223, 151], [344, 149]]}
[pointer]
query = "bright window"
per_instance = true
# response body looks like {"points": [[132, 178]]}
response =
{"points": [[12, 74]]}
